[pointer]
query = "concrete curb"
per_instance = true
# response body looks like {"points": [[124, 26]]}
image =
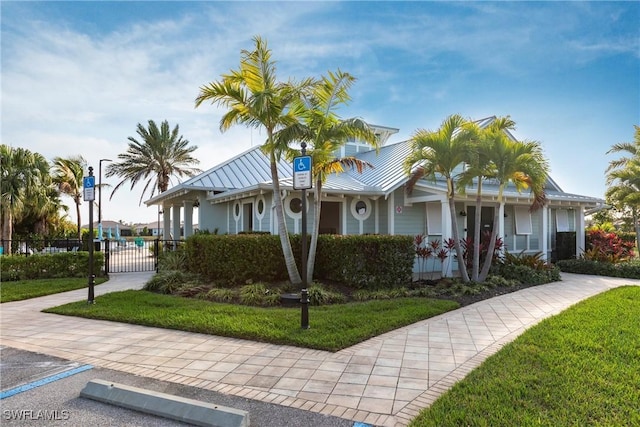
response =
{"points": [[165, 405]]}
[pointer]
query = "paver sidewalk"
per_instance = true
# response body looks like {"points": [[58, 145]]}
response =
{"points": [[384, 381]]}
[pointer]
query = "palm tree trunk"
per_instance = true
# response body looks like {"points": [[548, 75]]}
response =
{"points": [[492, 244], [7, 230], [289, 259], [317, 203], [476, 233], [80, 222], [636, 226], [456, 241]]}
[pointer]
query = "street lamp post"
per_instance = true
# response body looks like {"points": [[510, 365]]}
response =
{"points": [[100, 192]]}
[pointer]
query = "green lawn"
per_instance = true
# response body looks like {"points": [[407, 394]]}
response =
{"points": [[579, 368], [25, 289], [332, 327]]}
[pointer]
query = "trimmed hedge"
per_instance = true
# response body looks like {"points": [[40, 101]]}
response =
{"points": [[628, 270], [236, 259], [367, 262], [49, 266]]}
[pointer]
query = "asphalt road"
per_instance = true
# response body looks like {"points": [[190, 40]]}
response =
{"points": [[58, 403]]}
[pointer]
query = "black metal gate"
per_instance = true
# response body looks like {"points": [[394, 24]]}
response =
{"points": [[121, 256]]}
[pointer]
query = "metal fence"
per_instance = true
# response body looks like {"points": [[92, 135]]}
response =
{"points": [[121, 256], [41, 246], [128, 256]]}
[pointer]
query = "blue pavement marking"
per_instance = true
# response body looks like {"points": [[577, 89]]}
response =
{"points": [[359, 424], [43, 381]]}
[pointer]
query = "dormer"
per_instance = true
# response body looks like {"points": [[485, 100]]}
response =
{"points": [[353, 146]]}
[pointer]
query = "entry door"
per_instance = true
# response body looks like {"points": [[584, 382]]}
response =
{"points": [[486, 220]]}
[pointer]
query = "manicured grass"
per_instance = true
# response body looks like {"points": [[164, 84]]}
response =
{"points": [[580, 368], [332, 327], [25, 289]]}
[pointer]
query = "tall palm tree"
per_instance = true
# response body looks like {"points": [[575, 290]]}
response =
{"points": [[437, 154], [327, 133], [22, 173], [523, 164], [257, 99], [623, 179], [480, 167], [68, 176], [160, 154]]}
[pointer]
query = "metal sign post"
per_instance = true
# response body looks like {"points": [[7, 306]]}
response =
{"points": [[302, 180], [89, 185]]}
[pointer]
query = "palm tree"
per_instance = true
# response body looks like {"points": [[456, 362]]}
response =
{"points": [[623, 177], [23, 173], [68, 176], [328, 133], [257, 99], [480, 167], [437, 154], [160, 154], [523, 164]]}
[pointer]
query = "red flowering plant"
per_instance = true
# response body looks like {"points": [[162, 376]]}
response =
{"points": [[608, 247], [423, 252]]}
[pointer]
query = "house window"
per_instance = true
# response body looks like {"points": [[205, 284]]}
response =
{"points": [[236, 211], [523, 220], [434, 219], [260, 207], [361, 209], [293, 206], [562, 220]]}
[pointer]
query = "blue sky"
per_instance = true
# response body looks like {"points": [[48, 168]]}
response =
{"points": [[77, 77]]}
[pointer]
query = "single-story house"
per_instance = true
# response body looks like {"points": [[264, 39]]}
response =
{"points": [[236, 196]]}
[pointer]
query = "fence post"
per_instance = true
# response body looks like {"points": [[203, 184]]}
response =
{"points": [[156, 252]]}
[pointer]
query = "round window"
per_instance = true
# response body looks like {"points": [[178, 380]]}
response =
{"points": [[361, 208], [236, 211], [295, 205], [260, 207]]}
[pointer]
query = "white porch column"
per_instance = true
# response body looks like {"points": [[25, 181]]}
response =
{"points": [[344, 216], [580, 234], [188, 218], [175, 215], [391, 207], [544, 234], [501, 222], [166, 223], [447, 232], [377, 216]]}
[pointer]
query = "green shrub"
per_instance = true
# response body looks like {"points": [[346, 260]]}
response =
{"points": [[495, 281], [365, 262], [256, 294], [523, 274], [49, 266], [629, 269], [321, 295], [236, 258], [168, 282], [172, 260]]}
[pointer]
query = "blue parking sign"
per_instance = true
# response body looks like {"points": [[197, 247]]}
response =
{"points": [[302, 173]]}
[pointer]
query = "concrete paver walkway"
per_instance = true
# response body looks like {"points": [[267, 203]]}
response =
{"points": [[384, 381]]}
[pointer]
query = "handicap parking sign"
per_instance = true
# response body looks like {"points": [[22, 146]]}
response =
{"points": [[302, 173]]}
